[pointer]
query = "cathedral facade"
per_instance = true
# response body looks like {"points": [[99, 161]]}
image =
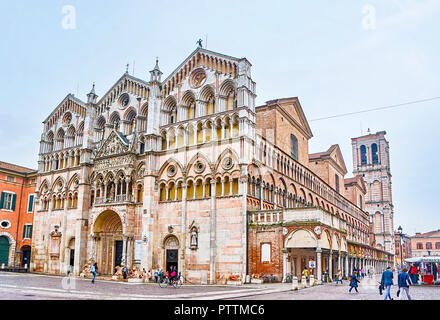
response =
{"points": [[188, 172]]}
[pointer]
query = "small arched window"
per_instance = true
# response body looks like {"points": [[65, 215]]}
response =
{"points": [[374, 155], [363, 155]]}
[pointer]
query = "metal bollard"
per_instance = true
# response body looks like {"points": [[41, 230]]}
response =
{"points": [[312, 281], [303, 282], [294, 283]]}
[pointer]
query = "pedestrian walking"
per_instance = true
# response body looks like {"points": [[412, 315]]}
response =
{"points": [[404, 283], [354, 282], [339, 276], [362, 273], [305, 273], [93, 270], [387, 282], [156, 275], [124, 272]]}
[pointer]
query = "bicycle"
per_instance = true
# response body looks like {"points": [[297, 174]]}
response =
{"points": [[165, 282]]}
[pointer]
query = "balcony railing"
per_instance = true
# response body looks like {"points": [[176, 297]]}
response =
{"points": [[312, 215], [120, 198]]}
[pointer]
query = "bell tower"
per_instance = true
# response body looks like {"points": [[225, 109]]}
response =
{"points": [[371, 160]]}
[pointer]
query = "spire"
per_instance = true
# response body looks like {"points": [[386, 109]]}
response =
{"points": [[91, 96], [156, 73]]}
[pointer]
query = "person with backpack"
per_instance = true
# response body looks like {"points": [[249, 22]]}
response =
{"points": [[387, 282], [93, 270], [156, 275], [353, 282], [403, 282]]}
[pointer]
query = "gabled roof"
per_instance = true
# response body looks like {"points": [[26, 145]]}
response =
{"points": [[333, 152], [356, 180], [303, 125], [15, 168], [116, 143], [71, 97], [122, 78], [201, 50], [433, 234]]}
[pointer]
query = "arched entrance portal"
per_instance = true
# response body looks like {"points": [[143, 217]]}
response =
{"points": [[108, 241], [171, 253], [4, 250]]}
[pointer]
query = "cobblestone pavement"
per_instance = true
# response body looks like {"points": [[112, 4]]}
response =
{"points": [[33, 286], [368, 290], [42, 287]]}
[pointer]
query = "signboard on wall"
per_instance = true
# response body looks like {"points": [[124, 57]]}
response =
{"points": [[138, 250], [312, 264]]}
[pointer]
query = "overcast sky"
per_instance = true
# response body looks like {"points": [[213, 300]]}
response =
{"points": [[333, 55]]}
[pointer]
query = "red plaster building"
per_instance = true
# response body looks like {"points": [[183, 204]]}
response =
{"points": [[17, 188], [426, 244]]}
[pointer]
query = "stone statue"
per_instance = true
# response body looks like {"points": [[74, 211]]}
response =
{"points": [[199, 42], [112, 192], [194, 240]]}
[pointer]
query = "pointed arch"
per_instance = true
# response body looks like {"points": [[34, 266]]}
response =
{"points": [[72, 180], [226, 152], [171, 160], [144, 109], [57, 182], [130, 114], [206, 92], [199, 155], [226, 87]]}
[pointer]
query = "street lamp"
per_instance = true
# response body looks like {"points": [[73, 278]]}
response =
{"points": [[401, 253]]}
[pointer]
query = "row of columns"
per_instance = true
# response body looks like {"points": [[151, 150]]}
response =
{"points": [[64, 160], [345, 263], [103, 189], [186, 142], [204, 193]]}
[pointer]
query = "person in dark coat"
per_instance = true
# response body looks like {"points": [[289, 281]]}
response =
{"points": [[354, 282], [387, 282], [404, 282]]}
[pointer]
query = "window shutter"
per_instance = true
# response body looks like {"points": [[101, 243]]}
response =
{"points": [[24, 231], [30, 231], [31, 203], [14, 197], [2, 200]]}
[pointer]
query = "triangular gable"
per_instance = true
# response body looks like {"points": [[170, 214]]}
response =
{"points": [[203, 51], [291, 108], [119, 82], [115, 144], [201, 57], [71, 103], [336, 154]]}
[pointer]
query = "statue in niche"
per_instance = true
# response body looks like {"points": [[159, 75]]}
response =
{"points": [[112, 191], [194, 241]]}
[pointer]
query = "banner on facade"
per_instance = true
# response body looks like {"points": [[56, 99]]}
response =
{"points": [[138, 250]]}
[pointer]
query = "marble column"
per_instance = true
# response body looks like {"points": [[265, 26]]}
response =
{"points": [[330, 265], [285, 256], [318, 265]]}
